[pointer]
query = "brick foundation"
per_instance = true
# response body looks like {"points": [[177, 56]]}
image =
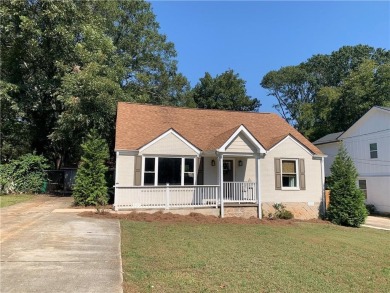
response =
{"points": [[300, 210], [242, 212]]}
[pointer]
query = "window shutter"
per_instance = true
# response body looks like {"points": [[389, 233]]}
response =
{"points": [[200, 179], [137, 171], [278, 177], [302, 182]]}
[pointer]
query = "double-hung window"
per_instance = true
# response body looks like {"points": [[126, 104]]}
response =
{"points": [[373, 150], [289, 174], [189, 172], [150, 172], [363, 187], [173, 171]]}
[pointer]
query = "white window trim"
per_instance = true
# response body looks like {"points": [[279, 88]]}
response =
{"points": [[296, 170], [371, 151], [156, 169]]}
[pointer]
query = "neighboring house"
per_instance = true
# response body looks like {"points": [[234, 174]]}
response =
{"points": [[368, 144], [238, 163]]}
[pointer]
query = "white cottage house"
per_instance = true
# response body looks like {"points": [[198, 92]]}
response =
{"points": [[368, 144], [237, 163]]}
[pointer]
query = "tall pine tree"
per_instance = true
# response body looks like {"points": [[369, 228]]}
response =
{"points": [[346, 205], [91, 186]]}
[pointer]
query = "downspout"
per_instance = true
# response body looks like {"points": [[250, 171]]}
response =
{"points": [[258, 185], [323, 184], [220, 178], [116, 183]]}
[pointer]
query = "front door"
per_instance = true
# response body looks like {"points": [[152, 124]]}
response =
{"points": [[227, 170], [228, 177]]}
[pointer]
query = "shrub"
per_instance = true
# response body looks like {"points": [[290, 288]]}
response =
{"points": [[371, 209], [90, 186], [23, 175], [281, 212], [346, 205]]}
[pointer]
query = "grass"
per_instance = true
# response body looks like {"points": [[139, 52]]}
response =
{"points": [[302, 257], [7, 200]]}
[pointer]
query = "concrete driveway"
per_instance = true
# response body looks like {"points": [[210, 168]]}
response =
{"points": [[46, 251], [381, 223]]}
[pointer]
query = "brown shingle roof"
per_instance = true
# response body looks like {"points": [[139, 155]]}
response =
{"points": [[138, 124]]}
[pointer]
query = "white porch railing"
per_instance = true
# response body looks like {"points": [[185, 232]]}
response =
{"points": [[239, 192], [166, 197]]}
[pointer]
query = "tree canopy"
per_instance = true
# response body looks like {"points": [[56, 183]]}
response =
{"points": [[328, 93], [226, 91], [65, 64]]}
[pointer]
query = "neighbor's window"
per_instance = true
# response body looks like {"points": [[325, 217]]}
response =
{"points": [[149, 173], [289, 173], [169, 171], [373, 150], [188, 171], [363, 186]]}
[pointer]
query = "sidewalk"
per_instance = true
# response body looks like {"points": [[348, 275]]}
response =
{"points": [[377, 223]]}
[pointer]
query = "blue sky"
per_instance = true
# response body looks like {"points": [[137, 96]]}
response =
{"points": [[255, 37]]}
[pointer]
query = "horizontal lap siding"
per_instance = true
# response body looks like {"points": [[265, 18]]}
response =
{"points": [[241, 145], [125, 170], [169, 145], [290, 149]]}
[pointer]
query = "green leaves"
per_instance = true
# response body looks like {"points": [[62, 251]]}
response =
{"points": [[66, 64], [226, 91], [23, 175], [347, 202], [328, 93], [91, 187]]}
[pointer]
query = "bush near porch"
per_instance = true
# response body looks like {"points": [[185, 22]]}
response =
{"points": [[291, 257]]}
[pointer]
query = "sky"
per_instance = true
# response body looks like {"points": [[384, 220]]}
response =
{"points": [[255, 37]]}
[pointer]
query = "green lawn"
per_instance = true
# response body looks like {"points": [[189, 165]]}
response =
{"points": [[7, 200], [300, 257]]}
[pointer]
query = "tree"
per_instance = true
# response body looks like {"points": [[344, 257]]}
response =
{"points": [[226, 91], [90, 187], [25, 174], [66, 64], [347, 202], [316, 95]]}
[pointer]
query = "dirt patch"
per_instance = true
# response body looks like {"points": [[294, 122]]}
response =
{"points": [[194, 218]]}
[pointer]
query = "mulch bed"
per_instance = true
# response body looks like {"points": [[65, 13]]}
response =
{"points": [[194, 218]]}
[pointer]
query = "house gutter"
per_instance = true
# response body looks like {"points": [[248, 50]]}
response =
{"points": [[322, 158]]}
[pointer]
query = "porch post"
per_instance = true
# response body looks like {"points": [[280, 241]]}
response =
{"points": [[258, 182], [116, 183], [220, 179]]}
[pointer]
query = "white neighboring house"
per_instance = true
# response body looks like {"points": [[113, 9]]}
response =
{"points": [[368, 144]]}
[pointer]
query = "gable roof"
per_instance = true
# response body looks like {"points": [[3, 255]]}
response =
{"points": [[373, 112], [139, 124], [331, 137]]}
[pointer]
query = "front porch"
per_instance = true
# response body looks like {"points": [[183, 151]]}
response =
{"points": [[194, 196]]}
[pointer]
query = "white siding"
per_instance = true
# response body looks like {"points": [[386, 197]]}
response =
{"points": [[331, 150], [210, 173], [378, 192], [124, 170], [291, 149], [374, 127], [169, 145], [241, 145]]}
